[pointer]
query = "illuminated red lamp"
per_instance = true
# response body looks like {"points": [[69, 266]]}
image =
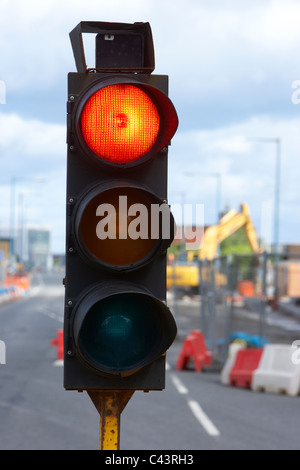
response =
{"points": [[123, 122]]}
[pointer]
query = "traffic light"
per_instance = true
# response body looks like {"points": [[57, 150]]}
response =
{"points": [[117, 326]]}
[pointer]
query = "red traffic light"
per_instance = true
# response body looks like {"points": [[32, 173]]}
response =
{"points": [[123, 122], [120, 123]]}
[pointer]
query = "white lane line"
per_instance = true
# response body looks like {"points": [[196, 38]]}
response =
{"points": [[58, 363], [203, 419], [178, 385], [50, 314]]}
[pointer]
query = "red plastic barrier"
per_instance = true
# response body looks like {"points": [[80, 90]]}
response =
{"points": [[246, 362], [194, 347], [59, 342]]}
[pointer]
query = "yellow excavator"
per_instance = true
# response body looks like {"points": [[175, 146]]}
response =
{"points": [[186, 274]]}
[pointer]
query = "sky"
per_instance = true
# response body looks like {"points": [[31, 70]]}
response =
{"points": [[234, 79]]}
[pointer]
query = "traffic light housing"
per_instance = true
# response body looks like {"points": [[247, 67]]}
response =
{"points": [[117, 326]]}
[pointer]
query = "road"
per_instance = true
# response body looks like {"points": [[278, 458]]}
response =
{"points": [[194, 412]]}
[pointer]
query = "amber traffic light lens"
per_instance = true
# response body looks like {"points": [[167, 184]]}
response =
{"points": [[119, 228], [120, 123]]}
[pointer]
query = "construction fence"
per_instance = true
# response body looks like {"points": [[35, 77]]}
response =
{"points": [[239, 296]]}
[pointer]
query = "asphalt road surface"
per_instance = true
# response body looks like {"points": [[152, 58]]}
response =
{"points": [[194, 412]]}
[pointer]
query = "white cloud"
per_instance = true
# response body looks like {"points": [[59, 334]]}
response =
{"points": [[34, 38], [30, 146], [212, 44], [33, 161], [276, 28], [231, 66], [247, 169]]}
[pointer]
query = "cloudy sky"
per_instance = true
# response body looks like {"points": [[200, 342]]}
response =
{"points": [[234, 69]]}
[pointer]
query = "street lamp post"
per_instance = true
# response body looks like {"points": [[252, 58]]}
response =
{"points": [[12, 229], [277, 142]]}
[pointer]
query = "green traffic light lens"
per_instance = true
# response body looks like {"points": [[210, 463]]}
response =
{"points": [[122, 333]]}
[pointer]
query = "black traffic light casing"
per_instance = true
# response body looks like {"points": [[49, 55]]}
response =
{"points": [[93, 283]]}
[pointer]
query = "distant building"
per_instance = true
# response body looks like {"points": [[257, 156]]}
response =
{"points": [[34, 248], [291, 251]]}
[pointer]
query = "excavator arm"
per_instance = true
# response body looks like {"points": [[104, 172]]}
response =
{"points": [[228, 224]]}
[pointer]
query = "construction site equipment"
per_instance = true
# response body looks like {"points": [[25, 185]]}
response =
{"points": [[185, 275], [228, 224]]}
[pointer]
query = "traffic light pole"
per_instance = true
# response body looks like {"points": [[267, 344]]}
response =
{"points": [[110, 404]]}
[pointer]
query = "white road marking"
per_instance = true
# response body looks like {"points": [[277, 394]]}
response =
{"points": [[50, 314], [178, 385], [195, 408], [58, 363], [203, 419]]}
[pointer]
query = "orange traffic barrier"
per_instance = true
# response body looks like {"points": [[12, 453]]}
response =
{"points": [[194, 347], [18, 281], [59, 342], [246, 288]]}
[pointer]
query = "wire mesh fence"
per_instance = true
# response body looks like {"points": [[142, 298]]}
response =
{"points": [[238, 296]]}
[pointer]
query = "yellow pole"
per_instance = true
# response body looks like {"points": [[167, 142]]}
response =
{"points": [[110, 404]]}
